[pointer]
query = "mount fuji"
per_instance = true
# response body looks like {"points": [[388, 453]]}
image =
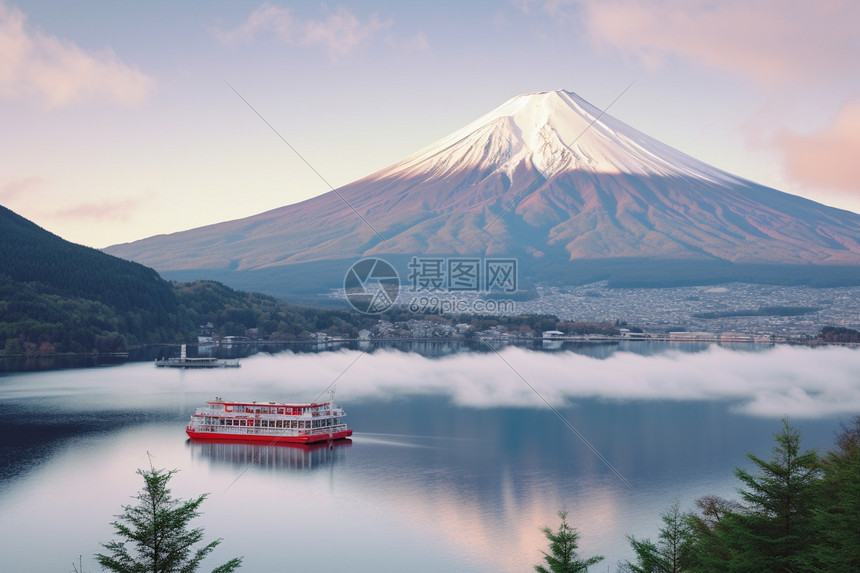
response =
{"points": [[573, 194]]}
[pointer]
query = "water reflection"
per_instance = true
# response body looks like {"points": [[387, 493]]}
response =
{"points": [[270, 457], [36, 363]]}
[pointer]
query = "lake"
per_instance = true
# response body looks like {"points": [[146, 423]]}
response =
{"points": [[456, 461]]}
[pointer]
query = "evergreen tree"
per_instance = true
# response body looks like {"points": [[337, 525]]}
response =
{"points": [[647, 557], [156, 532], [708, 551], [773, 531], [837, 519], [672, 553], [563, 557]]}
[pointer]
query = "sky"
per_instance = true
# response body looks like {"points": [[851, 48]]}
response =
{"points": [[120, 121]]}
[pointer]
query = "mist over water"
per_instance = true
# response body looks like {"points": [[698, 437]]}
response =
{"points": [[454, 466], [794, 381]]}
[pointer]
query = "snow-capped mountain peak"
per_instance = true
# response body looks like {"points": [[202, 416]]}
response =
{"points": [[554, 132]]}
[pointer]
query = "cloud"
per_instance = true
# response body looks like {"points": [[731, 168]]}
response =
{"points": [[768, 41], [57, 73], [30, 195], [798, 382], [829, 157], [116, 210], [340, 32], [21, 188]]}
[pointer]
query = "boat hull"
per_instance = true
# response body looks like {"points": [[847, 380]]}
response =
{"points": [[267, 439], [186, 364]]}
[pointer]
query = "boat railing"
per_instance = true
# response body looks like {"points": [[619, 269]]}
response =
{"points": [[244, 430], [214, 411], [218, 412]]}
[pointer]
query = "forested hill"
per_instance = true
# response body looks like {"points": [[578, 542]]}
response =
{"points": [[30, 254], [56, 295]]}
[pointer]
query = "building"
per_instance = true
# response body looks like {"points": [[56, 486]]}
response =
{"points": [[693, 337]]}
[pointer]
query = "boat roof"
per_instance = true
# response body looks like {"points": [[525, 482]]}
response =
{"points": [[255, 403]]}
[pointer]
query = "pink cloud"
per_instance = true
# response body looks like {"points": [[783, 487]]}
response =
{"points": [[340, 32], [769, 41], [117, 210], [21, 188], [59, 73], [828, 157]]}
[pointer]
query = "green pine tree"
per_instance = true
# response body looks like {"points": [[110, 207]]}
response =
{"points": [[647, 557], [837, 519], [157, 538], [773, 532], [563, 557], [672, 553]]}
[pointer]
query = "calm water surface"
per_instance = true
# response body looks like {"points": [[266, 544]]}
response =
{"points": [[429, 482]]}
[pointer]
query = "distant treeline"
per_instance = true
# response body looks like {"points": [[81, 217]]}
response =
{"points": [[234, 313], [761, 311], [839, 334], [34, 322]]}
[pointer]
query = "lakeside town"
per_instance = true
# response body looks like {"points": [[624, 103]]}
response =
{"points": [[733, 312], [787, 312], [728, 313]]}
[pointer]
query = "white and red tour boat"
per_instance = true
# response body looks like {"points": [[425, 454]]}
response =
{"points": [[268, 422]]}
